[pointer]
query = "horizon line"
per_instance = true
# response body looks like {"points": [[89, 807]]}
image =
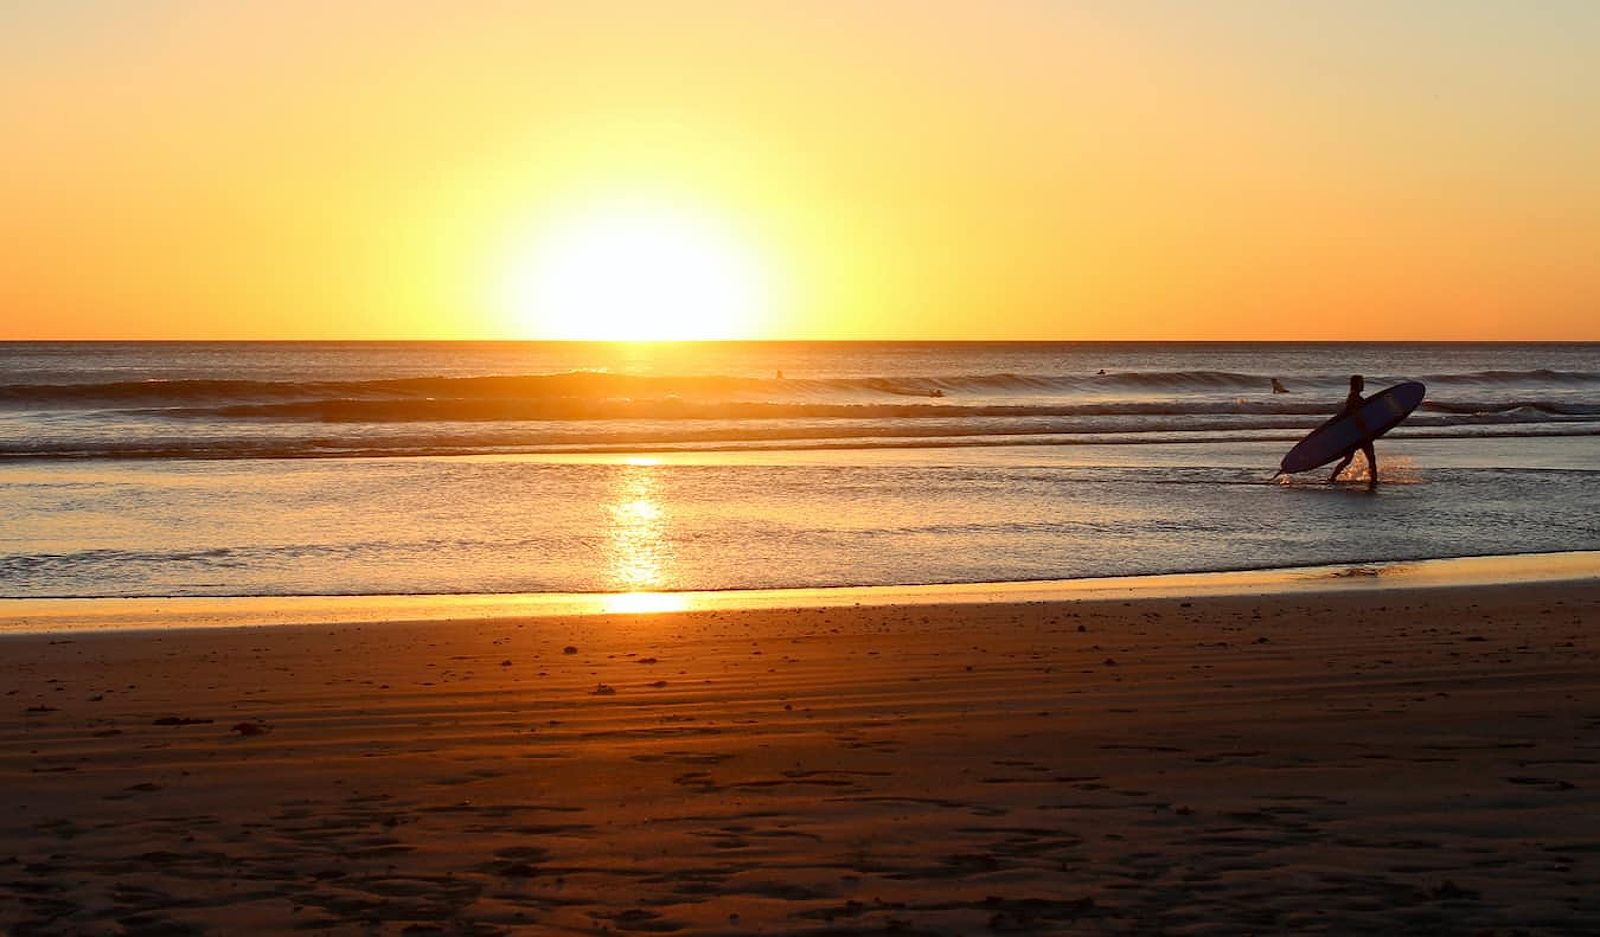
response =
{"points": [[801, 341]]}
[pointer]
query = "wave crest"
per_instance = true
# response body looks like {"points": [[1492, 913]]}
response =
{"points": [[606, 384]]}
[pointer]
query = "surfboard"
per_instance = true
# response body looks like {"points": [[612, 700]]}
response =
{"points": [[1377, 415]]}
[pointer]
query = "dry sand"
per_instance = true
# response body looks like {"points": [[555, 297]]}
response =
{"points": [[1375, 762]]}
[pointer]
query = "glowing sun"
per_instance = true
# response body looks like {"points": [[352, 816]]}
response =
{"points": [[638, 273]]}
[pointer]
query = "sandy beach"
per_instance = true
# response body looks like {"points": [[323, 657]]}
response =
{"points": [[1382, 761]]}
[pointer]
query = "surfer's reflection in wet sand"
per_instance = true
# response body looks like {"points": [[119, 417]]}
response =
{"points": [[1352, 405]]}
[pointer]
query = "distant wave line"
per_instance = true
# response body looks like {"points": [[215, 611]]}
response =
{"points": [[600, 385], [432, 410]]}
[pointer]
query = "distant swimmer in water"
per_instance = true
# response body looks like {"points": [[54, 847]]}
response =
{"points": [[1278, 388], [936, 393], [1352, 403], [1101, 371]]}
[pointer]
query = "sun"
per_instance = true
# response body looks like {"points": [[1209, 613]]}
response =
{"points": [[638, 272]]}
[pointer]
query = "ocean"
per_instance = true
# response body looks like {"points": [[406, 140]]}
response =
{"points": [[218, 469]]}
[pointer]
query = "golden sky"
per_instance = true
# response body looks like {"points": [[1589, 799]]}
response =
{"points": [[928, 170]]}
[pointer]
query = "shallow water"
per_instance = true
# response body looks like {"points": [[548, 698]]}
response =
{"points": [[773, 520]]}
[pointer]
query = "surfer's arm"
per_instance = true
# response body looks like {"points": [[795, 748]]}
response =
{"points": [[1361, 421]]}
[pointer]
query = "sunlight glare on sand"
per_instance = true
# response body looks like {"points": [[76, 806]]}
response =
{"points": [[639, 603]]}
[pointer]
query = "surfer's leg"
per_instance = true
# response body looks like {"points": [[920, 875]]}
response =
{"points": [[1340, 467], [1372, 465]]}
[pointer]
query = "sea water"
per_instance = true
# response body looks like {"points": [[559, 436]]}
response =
{"points": [[139, 469]]}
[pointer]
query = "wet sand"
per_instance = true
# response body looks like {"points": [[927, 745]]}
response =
{"points": [[1376, 761]]}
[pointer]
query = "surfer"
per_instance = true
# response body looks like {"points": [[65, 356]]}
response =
{"points": [[1352, 406], [1278, 388]]}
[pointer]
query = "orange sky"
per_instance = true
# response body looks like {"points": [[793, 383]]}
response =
{"points": [[1021, 170]]}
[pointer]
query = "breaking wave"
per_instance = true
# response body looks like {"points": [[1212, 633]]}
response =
{"points": [[595, 385], [600, 385], [599, 410]]}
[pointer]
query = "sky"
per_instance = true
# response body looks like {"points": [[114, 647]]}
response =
{"points": [[1230, 170]]}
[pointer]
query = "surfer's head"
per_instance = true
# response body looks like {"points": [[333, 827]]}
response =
{"points": [[1356, 383]]}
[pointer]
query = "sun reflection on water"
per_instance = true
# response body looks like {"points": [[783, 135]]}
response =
{"points": [[639, 557]]}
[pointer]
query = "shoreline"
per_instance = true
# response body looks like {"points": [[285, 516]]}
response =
{"points": [[23, 616]]}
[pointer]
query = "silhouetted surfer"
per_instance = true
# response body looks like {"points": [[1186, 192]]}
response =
{"points": [[1352, 405], [1278, 388]]}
